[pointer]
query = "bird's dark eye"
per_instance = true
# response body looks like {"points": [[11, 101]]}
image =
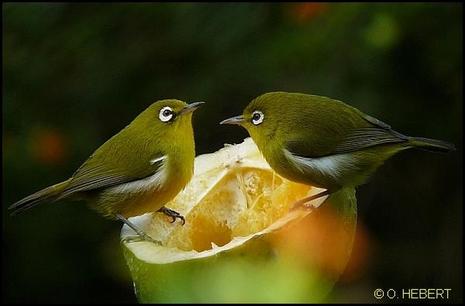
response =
{"points": [[257, 117], [166, 114]]}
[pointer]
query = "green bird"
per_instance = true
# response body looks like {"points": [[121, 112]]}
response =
{"points": [[321, 141], [136, 171]]}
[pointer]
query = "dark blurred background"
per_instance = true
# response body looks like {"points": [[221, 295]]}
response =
{"points": [[75, 74]]}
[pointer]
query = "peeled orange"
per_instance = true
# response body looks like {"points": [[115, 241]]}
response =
{"points": [[242, 240]]}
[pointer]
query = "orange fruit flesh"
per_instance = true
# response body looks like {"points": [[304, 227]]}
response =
{"points": [[234, 193], [244, 202]]}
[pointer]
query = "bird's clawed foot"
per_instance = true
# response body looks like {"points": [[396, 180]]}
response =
{"points": [[141, 235], [305, 202], [173, 214]]}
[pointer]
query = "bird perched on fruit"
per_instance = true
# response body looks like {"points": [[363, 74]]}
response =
{"points": [[323, 142], [137, 170]]}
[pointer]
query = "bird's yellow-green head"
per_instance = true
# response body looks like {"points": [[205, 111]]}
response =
{"points": [[266, 116], [168, 116], [165, 121]]}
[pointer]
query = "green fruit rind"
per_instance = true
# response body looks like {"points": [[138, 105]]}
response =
{"points": [[244, 270]]}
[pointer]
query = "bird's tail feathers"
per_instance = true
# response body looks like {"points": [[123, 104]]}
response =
{"points": [[432, 144], [49, 194]]}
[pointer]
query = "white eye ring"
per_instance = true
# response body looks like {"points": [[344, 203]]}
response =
{"points": [[257, 117], [166, 114]]}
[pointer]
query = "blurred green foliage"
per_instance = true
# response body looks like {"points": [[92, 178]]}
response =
{"points": [[75, 74]]}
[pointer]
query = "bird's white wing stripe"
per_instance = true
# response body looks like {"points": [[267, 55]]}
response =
{"points": [[334, 165], [156, 160]]}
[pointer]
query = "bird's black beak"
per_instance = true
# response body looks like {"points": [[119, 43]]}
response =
{"points": [[234, 120], [190, 108]]}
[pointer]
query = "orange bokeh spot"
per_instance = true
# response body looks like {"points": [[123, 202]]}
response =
{"points": [[360, 257], [303, 12], [49, 146], [323, 240]]}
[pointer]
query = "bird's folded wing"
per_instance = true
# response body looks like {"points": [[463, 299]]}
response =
{"points": [[353, 140], [367, 137], [96, 174]]}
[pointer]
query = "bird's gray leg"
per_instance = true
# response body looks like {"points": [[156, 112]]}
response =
{"points": [[308, 199], [173, 214], [140, 233]]}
